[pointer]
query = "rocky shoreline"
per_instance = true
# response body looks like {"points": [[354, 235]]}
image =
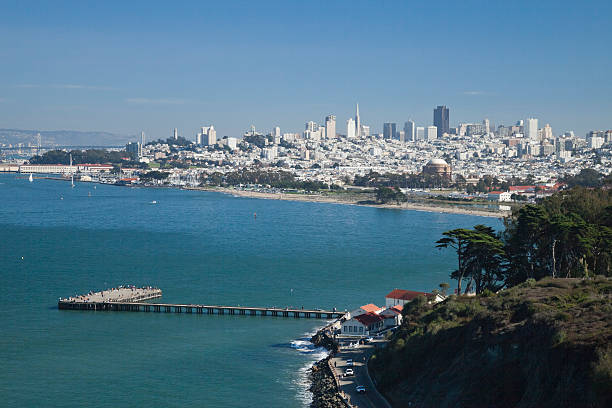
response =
{"points": [[325, 393]]}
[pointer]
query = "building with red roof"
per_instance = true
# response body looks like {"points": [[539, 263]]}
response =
{"points": [[363, 325]]}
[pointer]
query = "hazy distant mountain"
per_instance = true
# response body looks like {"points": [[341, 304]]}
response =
{"points": [[63, 137]]}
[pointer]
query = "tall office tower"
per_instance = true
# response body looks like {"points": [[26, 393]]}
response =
{"points": [[365, 131], [531, 129], [441, 120], [409, 130], [276, 132], [389, 130], [312, 126], [330, 126], [547, 132], [350, 128], [211, 136], [357, 123], [175, 133], [431, 133], [402, 135], [487, 126], [142, 139], [420, 133]]}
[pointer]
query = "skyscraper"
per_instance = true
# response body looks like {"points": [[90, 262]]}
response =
{"points": [[350, 128], [330, 126], [389, 130], [142, 138], [441, 120], [531, 129], [410, 131], [175, 133], [431, 133], [357, 123]]}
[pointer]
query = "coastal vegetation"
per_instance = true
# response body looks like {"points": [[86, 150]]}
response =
{"points": [[90, 156], [273, 179], [538, 344], [537, 332], [568, 234]]}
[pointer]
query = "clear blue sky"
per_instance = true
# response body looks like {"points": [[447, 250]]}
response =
{"points": [[130, 66]]}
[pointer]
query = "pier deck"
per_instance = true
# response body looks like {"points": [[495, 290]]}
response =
{"points": [[130, 300]]}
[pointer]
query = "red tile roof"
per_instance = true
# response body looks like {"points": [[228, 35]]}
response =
{"points": [[368, 319], [406, 294], [398, 308], [371, 307]]}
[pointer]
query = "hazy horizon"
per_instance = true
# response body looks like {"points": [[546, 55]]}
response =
{"points": [[123, 68]]}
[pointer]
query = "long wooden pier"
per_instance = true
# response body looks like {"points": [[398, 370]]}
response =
{"points": [[117, 303]]}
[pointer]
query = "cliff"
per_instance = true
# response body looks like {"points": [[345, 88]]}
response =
{"points": [[539, 344]]}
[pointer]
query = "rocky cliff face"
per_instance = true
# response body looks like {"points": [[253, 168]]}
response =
{"points": [[544, 344]]}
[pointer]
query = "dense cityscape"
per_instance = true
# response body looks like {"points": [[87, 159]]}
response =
{"points": [[333, 156]]}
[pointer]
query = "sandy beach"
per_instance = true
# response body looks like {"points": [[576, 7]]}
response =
{"points": [[451, 209]]}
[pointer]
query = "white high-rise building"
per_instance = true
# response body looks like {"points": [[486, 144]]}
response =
{"points": [[531, 129], [431, 133], [350, 128], [175, 133], [365, 131], [487, 126], [547, 132], [420, 133], [207, 137], [142, 139], [357, 123], [410, 130], [276, 132], [330, 126]]}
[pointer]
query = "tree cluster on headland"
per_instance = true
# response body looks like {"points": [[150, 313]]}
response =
{"points": [[90, 156], [273, 179], [538, 332], [568, 234]]}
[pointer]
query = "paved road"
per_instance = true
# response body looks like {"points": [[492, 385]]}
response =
{"points": [[359, 354]]}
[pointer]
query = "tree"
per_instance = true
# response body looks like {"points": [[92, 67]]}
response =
{"points": [[458, 240]]}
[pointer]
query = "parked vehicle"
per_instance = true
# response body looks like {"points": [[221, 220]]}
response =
{"points": [[349, 372], [349, 362], [361, 389]]}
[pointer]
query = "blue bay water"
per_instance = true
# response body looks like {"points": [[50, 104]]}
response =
{"points": [[199, 247]]}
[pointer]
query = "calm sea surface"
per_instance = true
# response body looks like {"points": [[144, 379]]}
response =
{"points": [[198, 247]]}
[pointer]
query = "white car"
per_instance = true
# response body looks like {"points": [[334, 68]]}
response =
{"points": [[349, 372]]}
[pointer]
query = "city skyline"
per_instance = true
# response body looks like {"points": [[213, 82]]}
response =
{"points": [[155, 70]]}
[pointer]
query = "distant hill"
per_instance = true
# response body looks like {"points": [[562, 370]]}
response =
{"points": [[63, 137]]}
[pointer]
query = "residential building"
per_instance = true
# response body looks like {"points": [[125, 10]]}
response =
{"points": [[330, 126], [531, 129], [431, 133], [410, 131], [350, 128]]}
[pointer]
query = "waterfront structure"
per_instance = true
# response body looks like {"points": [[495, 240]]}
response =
{"points": [[350, 128], [531, 129], [410, 131], [389, 130], [438, 167], [431, 133], [499, 196], [399, 297], [362, 325], [330, 126], [441, 120]]}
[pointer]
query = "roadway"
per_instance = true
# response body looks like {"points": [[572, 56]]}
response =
{"points": [[360, 355]]}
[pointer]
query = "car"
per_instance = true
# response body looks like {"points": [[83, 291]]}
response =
{"points": [[361, 389], [349, 372], [349, 362]]}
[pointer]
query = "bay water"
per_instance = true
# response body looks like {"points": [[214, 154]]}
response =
{"points": [[198, 247]]}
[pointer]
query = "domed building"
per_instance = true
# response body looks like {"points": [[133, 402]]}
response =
{"points": [[438, 167]]}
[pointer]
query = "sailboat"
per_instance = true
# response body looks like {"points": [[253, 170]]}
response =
{"points": [[31, 178]]}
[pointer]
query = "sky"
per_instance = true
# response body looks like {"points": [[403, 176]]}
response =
{"points": [[126, 67]]}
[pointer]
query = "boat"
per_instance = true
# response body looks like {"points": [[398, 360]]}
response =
{"points": [[153, 202], [31, 178]]}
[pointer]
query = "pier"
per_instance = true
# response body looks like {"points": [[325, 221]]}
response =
{"points": [[131, 299]]}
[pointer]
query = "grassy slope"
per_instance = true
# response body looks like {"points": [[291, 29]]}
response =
{"points": [[535, 345]]}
